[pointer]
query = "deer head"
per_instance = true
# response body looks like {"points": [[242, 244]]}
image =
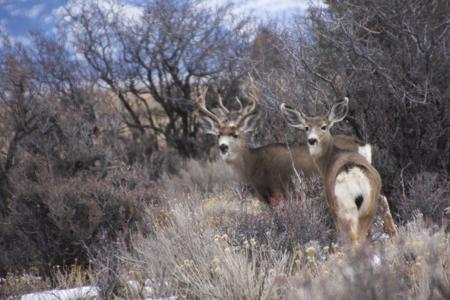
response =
{"points": [[232, 127], [317, 128]]}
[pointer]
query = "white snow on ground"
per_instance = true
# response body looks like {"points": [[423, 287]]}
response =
{"points": [[137, 288], [85, 292], [145, 290]]}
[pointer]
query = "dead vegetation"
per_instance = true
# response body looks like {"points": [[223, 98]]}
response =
{"points": [[95, 194], [214, 240]]}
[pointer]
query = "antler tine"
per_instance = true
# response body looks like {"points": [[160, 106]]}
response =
{"points": [[221, 104], [202, 107], [241, 108]]}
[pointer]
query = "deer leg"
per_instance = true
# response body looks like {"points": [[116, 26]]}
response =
{"points": [[353, 232], [365, 218], [388, 221], [364, 225], [348, 226]]}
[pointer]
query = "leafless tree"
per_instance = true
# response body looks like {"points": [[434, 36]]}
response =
{"points": [[47, 102], [161, 54], [395, 57], [18, 94], [393, 60]]}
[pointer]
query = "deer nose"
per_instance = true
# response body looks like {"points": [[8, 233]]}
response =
{"points": [[312, 141], [223, 148]]}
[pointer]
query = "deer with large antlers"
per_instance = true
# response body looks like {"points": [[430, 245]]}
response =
{"points": [[268, 169], [352, 184]]}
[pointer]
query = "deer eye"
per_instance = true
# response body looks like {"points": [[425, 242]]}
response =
{"points": [[235, 135], [306, 128], [324, 127]]}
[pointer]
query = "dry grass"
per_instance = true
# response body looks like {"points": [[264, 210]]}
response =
{"points": [[197, 178], [62, 277], [199, 261], [214, 240], [225, 245]]}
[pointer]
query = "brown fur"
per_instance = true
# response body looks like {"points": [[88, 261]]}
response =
{"points": [[333, 164], [269, 169], [332, 158], [334, 161]]}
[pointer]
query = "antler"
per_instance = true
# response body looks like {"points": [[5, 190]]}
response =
{"points": [[226, 110], [255, 101], [202, 107], [221, 104], [241, 108]]}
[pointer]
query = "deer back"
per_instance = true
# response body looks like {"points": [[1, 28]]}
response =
{"points": [[269, 169]]}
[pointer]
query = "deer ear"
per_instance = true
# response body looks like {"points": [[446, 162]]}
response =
{"points": [[338, 112], [250, 123], [208, 125], [293, 117]]}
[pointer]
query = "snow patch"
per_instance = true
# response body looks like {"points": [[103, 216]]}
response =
{"points": [[85, 292]]}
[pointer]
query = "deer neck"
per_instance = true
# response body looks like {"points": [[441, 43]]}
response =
{"points": [[323, 157], [240, 162]]}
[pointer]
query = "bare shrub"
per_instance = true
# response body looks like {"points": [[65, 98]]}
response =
{"points": [[197, 262], [428, 193], [302, 218], [55, 221], [63, 277], [47, 100], [106, 269], [167, 162], [412, 265], [189, 258], [17, 284], [198, 177]]}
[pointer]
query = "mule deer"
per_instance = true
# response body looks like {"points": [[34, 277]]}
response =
{"points": [[352, 185], [268, 169]]}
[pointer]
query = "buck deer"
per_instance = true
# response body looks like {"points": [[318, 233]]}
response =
{"points": [[268, 169], [352, 185]]}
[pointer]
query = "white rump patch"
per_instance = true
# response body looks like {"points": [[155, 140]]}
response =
{"points": [[366, 151], [349, 185]]}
